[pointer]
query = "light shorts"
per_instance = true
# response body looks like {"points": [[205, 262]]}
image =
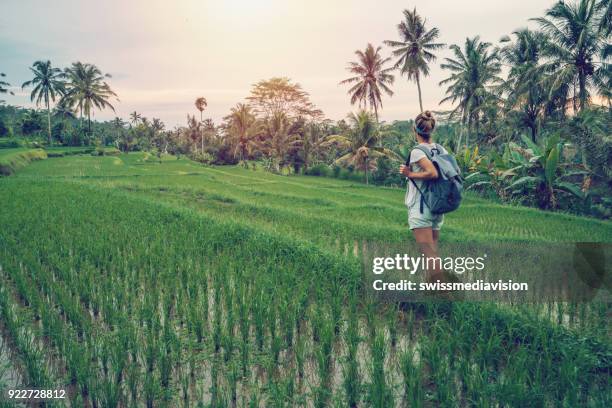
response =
{"points": [[425, 220]]}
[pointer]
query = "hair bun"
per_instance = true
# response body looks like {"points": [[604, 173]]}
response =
{"points": [[427, 114]]}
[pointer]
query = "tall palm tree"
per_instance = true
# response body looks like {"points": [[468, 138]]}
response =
{"points": [[4, 85], [63, 111], [524, 83], [474, 75], [578, 51], [363, 142], [200, 105], [242, 128], [370, 80], [415, 48], [135, 117], [118, 124], [48, 84], [157, 125], [86, 88], [313, 143], [279, 137], [193, 131]]}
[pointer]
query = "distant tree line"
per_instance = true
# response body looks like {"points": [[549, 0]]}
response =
{"points": [[535, 133]]}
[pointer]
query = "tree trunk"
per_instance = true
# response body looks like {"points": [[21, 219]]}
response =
{"points": [[582, 90], [202, 134], [419, 88], [534, 131], [49, 121], [366, 169], [81, 124]]}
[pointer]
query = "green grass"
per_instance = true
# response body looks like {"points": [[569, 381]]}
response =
{"points": [[12, 160], [172, 283], [314, 208]]}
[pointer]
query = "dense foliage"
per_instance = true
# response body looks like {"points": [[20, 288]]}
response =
{"points": [[500, 125]]}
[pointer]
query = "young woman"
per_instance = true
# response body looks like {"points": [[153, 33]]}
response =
{"points": [[425, 226]]}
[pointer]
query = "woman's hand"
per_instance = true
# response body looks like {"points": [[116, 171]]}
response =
{"points": [[404, 170]]}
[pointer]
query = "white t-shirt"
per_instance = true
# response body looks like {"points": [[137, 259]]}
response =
{"points": [[412, 194]]}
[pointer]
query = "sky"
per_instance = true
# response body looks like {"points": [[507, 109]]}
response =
{"points": [[163, 54]]}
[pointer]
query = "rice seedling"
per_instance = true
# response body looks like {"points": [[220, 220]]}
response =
{"points": [[412, 376], [247, 298], [351, 375], [380, 393]]}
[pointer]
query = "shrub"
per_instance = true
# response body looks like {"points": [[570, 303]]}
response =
{"points": [[56, 154], [318, 170], [10, 143], [336, 170], [386, 173], [204, 158], [104, 151], [99, 151]]}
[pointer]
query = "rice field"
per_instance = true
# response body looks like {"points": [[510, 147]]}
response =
{"points": [[130, 282]]}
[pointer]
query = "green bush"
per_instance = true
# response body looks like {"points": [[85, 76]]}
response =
{"points": [[111, 151], [318, 170], [104, 151], [204, 158], [11, 161], [336, 170], [10, 143], [56, 154], [67, 151]]}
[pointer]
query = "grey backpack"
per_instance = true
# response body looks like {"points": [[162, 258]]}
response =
{"points": [[443, 194]]}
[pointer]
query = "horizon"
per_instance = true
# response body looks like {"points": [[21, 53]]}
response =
{"points": [[220, 55]]}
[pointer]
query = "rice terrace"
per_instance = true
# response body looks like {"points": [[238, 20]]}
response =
{"points": [[230, 204], [262, 306]]}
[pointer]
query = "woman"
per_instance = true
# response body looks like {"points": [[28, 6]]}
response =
{"points": [[424, 225]]}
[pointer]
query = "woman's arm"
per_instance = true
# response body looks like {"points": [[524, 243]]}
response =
{"points": [[429, 170]]}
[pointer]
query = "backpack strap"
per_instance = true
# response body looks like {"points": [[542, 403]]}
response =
{"points": [[425, 150], [428, 154]]}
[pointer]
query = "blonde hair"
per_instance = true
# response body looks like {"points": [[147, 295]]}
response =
{"points": [[424, 124]]}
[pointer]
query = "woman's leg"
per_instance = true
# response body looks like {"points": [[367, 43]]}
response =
{"points": [[427, 241], [435, 235]]}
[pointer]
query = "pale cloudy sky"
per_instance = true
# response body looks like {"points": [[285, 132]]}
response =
{"points": [[163, 54]]}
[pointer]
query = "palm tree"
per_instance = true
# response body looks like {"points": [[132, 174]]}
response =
{"points": [[578, 51], [47, 84], [524, 84], [63, 111], [157, 125], [474, 74], [313, 143], [415, 48], [242, 128], [363, 142], [200, 105], [370, 78], [279, 137], [135, 117], [87, 89], [118, 124], [193, 130], [4, 85]]}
